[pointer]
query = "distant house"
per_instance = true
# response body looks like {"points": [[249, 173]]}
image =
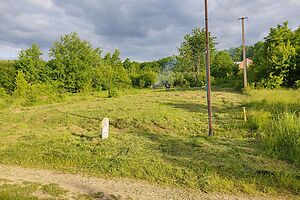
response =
{"points": [[241, 64]]}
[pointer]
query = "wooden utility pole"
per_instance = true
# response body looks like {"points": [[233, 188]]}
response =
{"points": [[244, 51], [208, 89]]}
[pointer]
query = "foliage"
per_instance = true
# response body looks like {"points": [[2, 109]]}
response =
{"points": [[142, 75], [31, 64], [179, 80], [21, 84], [106, 77], [223, 66], [191, 59], [275, 62], [73, 61], [236, 53], [297, 84], [113, 92], [8, 75], [191, 56]]}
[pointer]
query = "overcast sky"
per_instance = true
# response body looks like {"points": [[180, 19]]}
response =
{"points": [[141, 29]]}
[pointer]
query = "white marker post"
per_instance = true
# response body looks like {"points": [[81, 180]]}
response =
{"points": [[105, 128]]}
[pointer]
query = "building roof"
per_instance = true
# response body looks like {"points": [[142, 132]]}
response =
{"points": [[241, 64]]}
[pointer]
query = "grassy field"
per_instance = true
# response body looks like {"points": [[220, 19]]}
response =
{"points": [[156, 136]]}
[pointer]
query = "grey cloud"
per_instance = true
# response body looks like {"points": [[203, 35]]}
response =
{"points": [[141, 29]]}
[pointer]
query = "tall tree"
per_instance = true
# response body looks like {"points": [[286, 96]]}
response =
{"points": [[191, 56], [274, 57], [31, 64], [191, 59], [73, 60]]}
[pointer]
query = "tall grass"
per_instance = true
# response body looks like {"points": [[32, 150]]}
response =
{"points": [[275, 117], [282, 137]]}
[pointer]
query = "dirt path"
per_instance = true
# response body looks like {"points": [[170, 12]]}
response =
{"points": [[117, 187]]}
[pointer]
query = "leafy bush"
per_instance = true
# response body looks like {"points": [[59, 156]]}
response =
{"points": [[2, 92], [297, 84], [21, 85], [106, 77], [7, 75], [143, 79], [179, 80], [113, 92], [36, 93]]}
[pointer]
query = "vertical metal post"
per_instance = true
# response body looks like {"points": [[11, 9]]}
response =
{"points": [[208, 89], [244, 51]]}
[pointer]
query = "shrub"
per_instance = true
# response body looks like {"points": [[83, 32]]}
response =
{"points": [[297, 84], [21, 85], [2, 92], [43, 93], [113, 92], [7, 75]]}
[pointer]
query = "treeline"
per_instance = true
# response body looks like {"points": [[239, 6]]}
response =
{"points": [[74, 66]]}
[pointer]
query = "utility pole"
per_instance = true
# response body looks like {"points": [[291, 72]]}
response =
{"points": [[208, 89], [244, 51]]}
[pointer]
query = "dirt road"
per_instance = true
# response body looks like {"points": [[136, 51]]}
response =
{"points": [[126, 189]]}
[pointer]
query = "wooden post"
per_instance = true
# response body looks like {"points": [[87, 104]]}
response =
{"points": [[244, 52], [208, 89], [244, 114]]}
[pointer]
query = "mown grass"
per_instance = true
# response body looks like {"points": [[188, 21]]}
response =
{"points": [[155, 135]]}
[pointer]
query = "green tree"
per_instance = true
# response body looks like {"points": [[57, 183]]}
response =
{"points": [[8, 74], [191, 56], [274, 58], [293, 75], [236, 53], [191, 59], [150, 66], [73, 61], [109, 77], [22, 85], [223, 66], [31, 64]]}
